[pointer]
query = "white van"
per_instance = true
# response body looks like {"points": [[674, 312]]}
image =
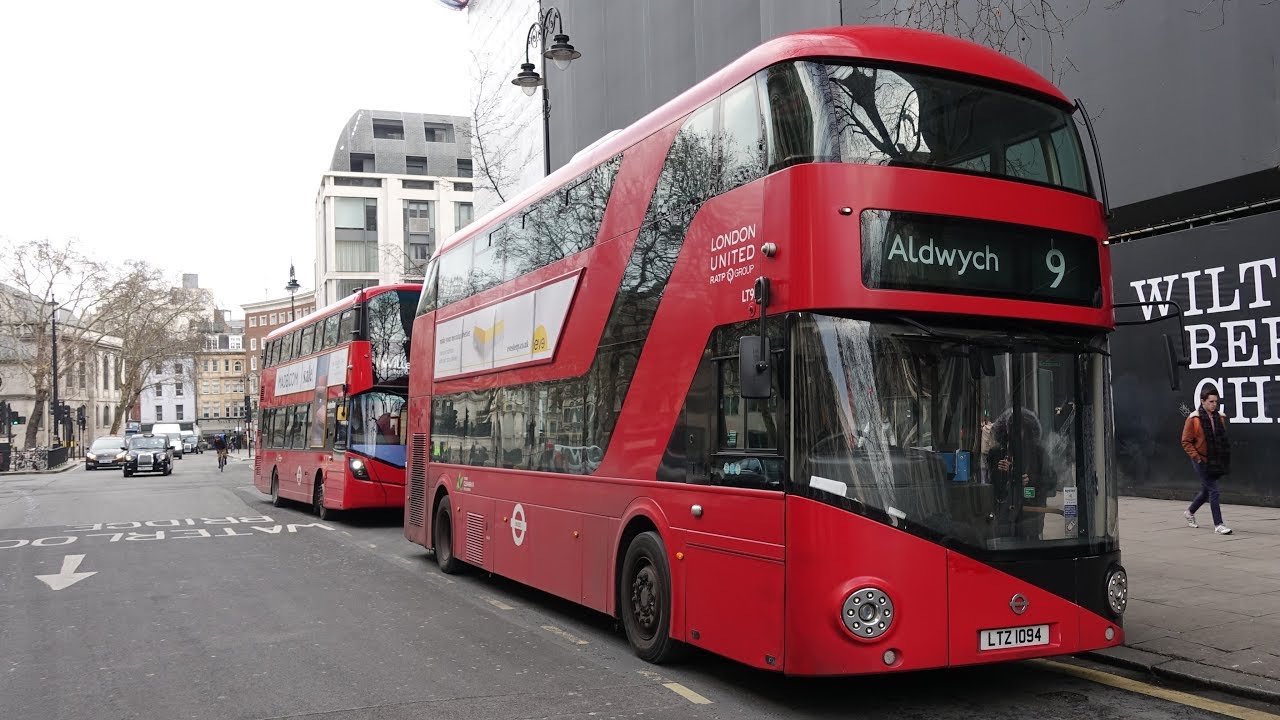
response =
{"points": [[171, 431]]}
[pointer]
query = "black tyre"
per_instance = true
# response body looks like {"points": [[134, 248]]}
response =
{"points": [[128, 473], [168, 469], [645, 599], [442, 532], [276, 500], [317, 501]]}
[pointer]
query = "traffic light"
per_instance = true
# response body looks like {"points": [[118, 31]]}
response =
{"points": [[4, 411], [80, 422], [247, 407]]}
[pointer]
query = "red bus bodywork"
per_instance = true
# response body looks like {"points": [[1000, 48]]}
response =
{"points": [[750, 575], [294, 473]]}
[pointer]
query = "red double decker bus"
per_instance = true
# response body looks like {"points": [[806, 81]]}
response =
{"points": [[806, 368], [332, 403]]}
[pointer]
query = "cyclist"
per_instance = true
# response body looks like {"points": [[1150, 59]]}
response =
{"points": [[220, 444]]}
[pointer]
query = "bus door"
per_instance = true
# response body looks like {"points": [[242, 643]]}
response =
{"points": [[734, 519]]}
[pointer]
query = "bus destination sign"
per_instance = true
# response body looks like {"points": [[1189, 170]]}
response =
{"points": [[935, 253]]}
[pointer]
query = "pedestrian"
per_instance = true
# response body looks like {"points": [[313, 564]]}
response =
{"points": [[1204, 438]]}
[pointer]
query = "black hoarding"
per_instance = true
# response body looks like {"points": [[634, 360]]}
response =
{"points": [[1224, 277]]}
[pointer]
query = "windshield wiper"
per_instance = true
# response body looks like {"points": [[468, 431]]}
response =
{"points": [[985, 342]]}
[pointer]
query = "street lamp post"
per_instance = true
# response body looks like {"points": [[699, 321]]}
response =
{"points": [[528, 79], [292, 286], [53, 323]]}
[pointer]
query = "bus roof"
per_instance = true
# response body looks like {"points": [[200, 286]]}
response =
{"points": [[881, 44], [336, 307]]}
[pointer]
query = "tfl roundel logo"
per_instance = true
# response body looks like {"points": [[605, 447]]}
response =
{"points": [[1019, 604]]}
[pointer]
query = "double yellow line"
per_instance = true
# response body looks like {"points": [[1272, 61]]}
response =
{"points": [[1137, 686]]}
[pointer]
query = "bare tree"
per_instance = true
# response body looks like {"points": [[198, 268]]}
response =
{"points": [[498, 157], [158, 324], [37, 278], [1013, 27]]}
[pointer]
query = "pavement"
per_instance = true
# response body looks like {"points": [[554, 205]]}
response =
{"points": [[1203, 608]]}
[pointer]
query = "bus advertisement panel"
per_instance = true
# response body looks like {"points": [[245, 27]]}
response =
{"points": [[334, 388], [826, 333]]}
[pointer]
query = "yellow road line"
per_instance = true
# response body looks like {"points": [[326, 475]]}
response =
{"points": [[571, 638], [686, 693], [1137, 686]]}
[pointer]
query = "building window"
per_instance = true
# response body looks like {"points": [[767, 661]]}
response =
{"points": [[239, 366], [159, 413], [253, 363], [357, 181], [346, 287], [418, 184], [388, 129], [106, 416], [463, 187], [273, 322], [438, 132], [253, 344], [361, 162], [253, 321], [204, 411], [464, 168], [106, 372], [237, 342], [356, 234], [177, 413], [419, 235], [177, 388], [262, 320], [204, 387], [177, 371], [415, 165], [226, 365], [463, 214], [159, 390]]}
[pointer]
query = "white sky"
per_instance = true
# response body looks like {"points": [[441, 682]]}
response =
{"points": [[194, 135]]}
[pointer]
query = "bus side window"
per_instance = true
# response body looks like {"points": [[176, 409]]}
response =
{"points": [[331, 331], [743, 146], [346, 326], [340, 409]]}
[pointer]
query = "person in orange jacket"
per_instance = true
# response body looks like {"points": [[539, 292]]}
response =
{"points": [[1204, 438]]}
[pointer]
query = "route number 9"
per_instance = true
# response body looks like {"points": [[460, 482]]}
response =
{"points": [[1056, 264]]}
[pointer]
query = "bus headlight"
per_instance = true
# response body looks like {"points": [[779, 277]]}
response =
{"points": [[358, 469], [867, 613], [1118, 590]]}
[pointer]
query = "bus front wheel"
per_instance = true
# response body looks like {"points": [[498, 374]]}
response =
{"points": [[645, 600], [442, 531], [317, 500]]}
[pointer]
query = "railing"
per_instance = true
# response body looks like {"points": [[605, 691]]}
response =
{"points": [[57, 457]]}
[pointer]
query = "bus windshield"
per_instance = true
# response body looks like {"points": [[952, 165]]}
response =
{"points": [[844, 112], [982, 440]]}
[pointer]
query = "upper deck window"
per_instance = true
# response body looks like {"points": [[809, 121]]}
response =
{"points": [[842, 112]]}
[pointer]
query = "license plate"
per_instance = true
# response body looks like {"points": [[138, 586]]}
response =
{"points": [[1015, 637]]}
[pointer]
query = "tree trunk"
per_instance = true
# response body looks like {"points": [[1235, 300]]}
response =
{"points": [[37, 417]]}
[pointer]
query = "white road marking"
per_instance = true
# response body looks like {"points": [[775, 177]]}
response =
{"points": [[686, 693], [571, 638], [498, 604], [68, 576]]}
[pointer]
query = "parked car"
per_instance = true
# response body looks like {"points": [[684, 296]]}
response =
{"points": [[104, 453], [190, 442], [148, 453]]}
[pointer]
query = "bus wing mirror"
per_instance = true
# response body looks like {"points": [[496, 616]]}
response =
{"points": [[753, 368], [1171, 353]]}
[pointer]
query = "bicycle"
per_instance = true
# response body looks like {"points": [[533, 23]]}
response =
{"points": [[222, 458]]}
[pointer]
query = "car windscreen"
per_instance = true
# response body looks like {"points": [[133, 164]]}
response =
{"points": [[107, 443], [147, 443]]}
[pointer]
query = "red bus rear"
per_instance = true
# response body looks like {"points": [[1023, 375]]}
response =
{"points": [[806, 368], [334, 387]]}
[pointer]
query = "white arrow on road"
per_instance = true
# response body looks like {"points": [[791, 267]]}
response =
{"points": [[68, 576]]}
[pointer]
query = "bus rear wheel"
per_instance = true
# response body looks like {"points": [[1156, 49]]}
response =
{"points": [[645, 599], [276, 500], [442, 533]]}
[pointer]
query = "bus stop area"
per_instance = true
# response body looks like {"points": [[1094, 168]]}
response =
{"points": [[1203, 608]]}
